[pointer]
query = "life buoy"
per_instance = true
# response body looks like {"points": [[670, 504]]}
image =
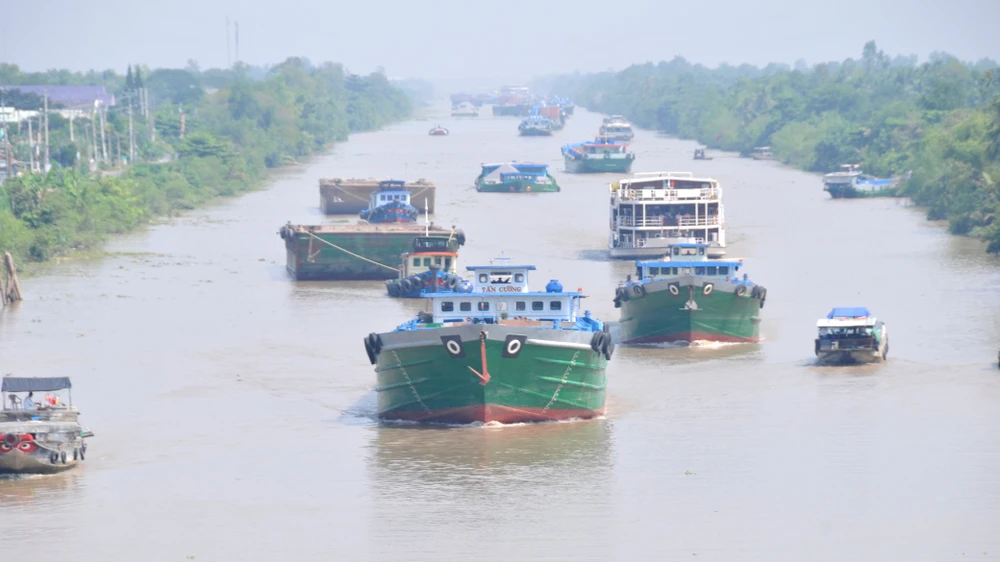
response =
{"points": [[674, 290], [63, 457], [597, 342], [740, 290], [53, 457], [639, 290], [10, 440], [707, 289], [453, 282]]}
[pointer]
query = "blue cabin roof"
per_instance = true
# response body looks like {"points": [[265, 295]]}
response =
{"points": [[677, 263], [522, 167], [849, 312]]}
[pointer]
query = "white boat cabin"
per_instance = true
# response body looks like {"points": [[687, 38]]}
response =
{"points": [[502, 292], [848, 323], [429, 252], [687, 259], [658, 208], [390, 191]]}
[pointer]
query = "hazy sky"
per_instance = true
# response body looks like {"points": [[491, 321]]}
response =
{"points": [[452, 39]]}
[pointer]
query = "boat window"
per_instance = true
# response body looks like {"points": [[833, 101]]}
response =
{"points": [[654, 270], [447, 306], [465, 306], [677, 251], [638, 272], [712, 270], [483, 278], [723, 270], [520, 305], [699, 271], [447, 263], [537, 305], [701, 251], [483, 306], [555, 305], [519, 278], [501, 306], [416, 262], [427, 262], [437, 261], [673, 271]]}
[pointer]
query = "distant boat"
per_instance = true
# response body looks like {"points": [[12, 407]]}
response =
{"points": [[602, 155], [464, 110], [851, 335], [852, 183], [699, 154], [516, 177], [762, 153], [438, 131], [536, 125], [391, 203], [617, 128]]}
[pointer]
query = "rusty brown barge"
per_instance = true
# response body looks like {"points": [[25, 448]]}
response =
{"points": [[334, 252], [339, 196]]}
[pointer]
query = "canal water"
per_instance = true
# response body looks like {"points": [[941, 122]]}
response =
{"points": [[234, 416]]}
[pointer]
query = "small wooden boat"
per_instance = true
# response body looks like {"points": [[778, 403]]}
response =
{"points": [[40, 437], [699, 154], [438, 131]]}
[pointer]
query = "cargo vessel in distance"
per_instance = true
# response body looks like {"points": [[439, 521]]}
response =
{"points": [[355, 252], [339, 196]]}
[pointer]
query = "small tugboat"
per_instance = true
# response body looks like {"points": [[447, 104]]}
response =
{"points": [[688, 298], [617, 128], [516, 177], [851, 335], [391, 203], [535, 126], [501, 353], [438, 131], [852, 183], [39, 435], [348, 196], [430, 266], [699, 154], [650, 211], [602, 155]]}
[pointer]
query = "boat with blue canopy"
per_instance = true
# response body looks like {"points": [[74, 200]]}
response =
{"points": [[40, 430], [516, 177], [604, 154], [535, 126], [851, 334], [852, 183]]}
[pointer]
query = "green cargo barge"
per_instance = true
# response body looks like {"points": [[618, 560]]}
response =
{"points": [[498, 354], [688, 299], [355, 252]]}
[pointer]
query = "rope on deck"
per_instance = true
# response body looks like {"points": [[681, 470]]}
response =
{"points": [[350, 253]]}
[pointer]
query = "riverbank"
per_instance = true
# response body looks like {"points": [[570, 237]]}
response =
{"points": [[939, 120], [228, 144]]}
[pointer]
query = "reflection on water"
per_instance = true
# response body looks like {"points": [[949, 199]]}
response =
{"points": [[531, 483]]}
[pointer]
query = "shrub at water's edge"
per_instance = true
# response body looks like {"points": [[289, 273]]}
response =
{"points": [[940, 120], [231, 138]]}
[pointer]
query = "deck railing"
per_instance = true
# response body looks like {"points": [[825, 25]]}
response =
{"points": [[671, 194], [667, 221]]}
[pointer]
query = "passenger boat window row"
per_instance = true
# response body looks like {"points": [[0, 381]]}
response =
{"points": [[707, 270], [500, 277], [483, 306], [387, 198]]}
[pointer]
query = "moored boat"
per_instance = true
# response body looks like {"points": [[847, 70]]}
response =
{"points": [[43, 437], [501, 353], [851, 335], [687, 298], [535, 126], [650, 211], [516, 177], [438, 131], [391, 203], [602, 155], [762, 153], [617, 128], [431, 265], [853, 183], [354, 252], [464, 109], [699, 154]]}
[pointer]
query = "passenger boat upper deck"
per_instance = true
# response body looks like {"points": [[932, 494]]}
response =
{"points": [[651, 211]]}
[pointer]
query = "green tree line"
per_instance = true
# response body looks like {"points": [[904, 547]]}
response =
{"points": [[237, 124], [939, 120]]}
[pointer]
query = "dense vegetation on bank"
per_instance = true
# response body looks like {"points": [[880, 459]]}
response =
{"points": [[939, 119], [236, 124]]}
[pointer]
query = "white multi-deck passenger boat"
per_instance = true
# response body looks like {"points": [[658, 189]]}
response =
{"points": [[650, 211]]}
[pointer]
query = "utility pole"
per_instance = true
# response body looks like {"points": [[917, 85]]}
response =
{"points": [[131, 133], [71, 137], [118, 144], [150, 121], [229, 58], [46, 161], [182, 122], [104, 124], [31, 149], [93, 134], [237, 41]]}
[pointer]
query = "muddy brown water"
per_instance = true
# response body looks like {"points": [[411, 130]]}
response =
{"points": [[235, 418]]}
